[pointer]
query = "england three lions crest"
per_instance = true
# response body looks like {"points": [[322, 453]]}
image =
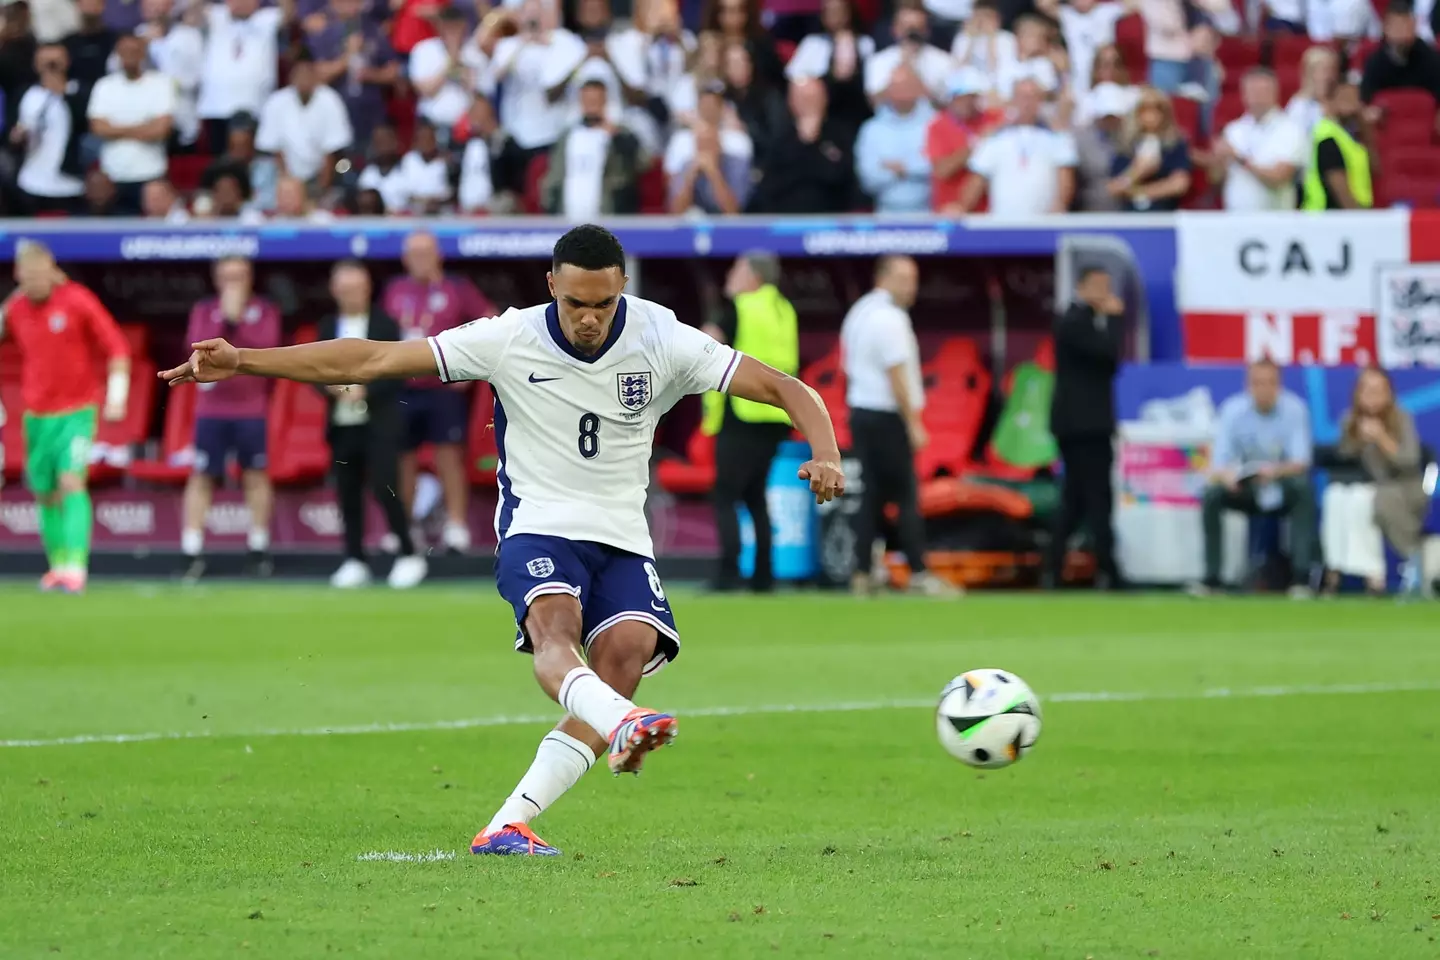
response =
{"points": [[633, 390]]}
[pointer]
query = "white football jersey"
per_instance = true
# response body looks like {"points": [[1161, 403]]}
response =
{"points": [[574, 432]]}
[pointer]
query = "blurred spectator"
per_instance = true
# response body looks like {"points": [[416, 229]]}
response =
{"points": [[912, 48], [1097, 144], [133, 112], [530, 70], [712, 110], [1319, 72], [90, 46], [705, 74], [305, 126], [48, 129], [293, 203], [984, 44], [712, 180], [354, 56], [838, 56], [1168, 44], [595, 167], [100, 196], [1285, 16], [606, 58], [1034, 58], [242, 55], [1258, 155], [952, 136], [1337, 170], [159, 201], [890, 157], [1108, 68], [660, 47], [1260, 463], [1402, 61], [1386, 499], [759, 107], [54, 20], [228, 198], [1350, 21], [1027, 168], [446, 71], [425, 172], [256, 175], [414, 22], [1152, 168], [366, 203], [1087, 26], [808, 167], [382, 171], [18, 47], [177, 50], [492, 171], [738, 21]]}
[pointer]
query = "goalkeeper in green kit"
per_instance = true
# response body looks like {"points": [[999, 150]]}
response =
{"points": [[62, 329]]}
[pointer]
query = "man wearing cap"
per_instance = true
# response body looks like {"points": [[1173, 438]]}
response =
{"points": [[1096, 144], [953, 135]]}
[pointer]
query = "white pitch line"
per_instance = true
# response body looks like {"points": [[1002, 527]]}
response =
{"points": [[851, 706], [396, 856]]}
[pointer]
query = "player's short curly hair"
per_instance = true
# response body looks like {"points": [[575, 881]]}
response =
{"points": [[589, 247]]}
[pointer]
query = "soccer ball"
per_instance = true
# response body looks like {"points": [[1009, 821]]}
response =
{"points": [[987, 718]]}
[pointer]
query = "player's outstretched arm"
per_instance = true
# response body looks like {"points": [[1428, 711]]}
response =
{"points": [[757, 381], [330, 361]]}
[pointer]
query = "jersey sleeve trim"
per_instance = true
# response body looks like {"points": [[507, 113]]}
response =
{"points": [[729, 373], [440, 364]]}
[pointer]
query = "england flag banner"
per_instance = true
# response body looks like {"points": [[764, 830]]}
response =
{"points": [[1408, 321]]}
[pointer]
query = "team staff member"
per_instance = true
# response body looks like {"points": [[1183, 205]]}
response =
{"points": [[60, 327], [230, 417], [1338, 175], [759, 322], [1089, 336], [886, 396], [425, 301], [364, 436]]}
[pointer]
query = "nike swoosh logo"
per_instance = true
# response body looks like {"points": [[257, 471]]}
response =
{"points": [[535, 379]]}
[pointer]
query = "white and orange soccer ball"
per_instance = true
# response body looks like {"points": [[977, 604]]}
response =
{"points": [[987, 718]]}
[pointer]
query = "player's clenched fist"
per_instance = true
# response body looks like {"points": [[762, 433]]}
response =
{"points": [[211, 360], [827, 480]]}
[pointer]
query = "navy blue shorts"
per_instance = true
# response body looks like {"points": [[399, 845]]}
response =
{"points": [[217, 438], [435, 415], [612, 586]]}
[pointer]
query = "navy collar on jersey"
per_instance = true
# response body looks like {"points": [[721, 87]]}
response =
{"points": [[552, 322]]}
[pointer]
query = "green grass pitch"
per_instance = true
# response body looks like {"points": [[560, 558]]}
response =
{"points": [[1233, 779]]}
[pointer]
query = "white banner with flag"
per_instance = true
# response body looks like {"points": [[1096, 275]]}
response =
{"points": [[1407, 322]]}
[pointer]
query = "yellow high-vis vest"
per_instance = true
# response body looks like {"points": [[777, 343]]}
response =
{"points": [[767, 329], [1357, 166]]}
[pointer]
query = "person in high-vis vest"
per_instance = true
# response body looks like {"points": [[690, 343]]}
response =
{"points": [[1338, 177], [758, 321]]}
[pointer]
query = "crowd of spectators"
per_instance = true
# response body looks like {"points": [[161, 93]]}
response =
{"points": [[181, 109]]}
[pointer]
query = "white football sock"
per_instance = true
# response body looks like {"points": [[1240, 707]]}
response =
{"points": [[192, 542], [591, 699], [257, 540], [559, 764]]}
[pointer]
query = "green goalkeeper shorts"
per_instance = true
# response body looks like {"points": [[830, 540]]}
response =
{"points": [[57, 444]]}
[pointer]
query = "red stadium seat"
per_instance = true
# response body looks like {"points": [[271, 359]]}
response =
{"points": [[652, 189], [534, 175], [186, 171], [1411, 163], [1187, 117], [696, 473], [296, 434], [176, 443], [826, 377], [957, 393], [12, 434], [483, 455], [1229, 108], [1236, 55], [1408, 118], [115, 440], [1361, 53], [1130, 39], [1421, 194]]}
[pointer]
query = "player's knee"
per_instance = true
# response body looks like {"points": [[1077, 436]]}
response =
{"points": [[619, 654], [553, 626], [70, 483]]}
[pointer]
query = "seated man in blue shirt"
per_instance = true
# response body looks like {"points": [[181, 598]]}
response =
{"points": [[1261, 464]]}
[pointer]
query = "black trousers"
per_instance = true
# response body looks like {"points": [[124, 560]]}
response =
{"points": [[367, 457], [1087, 496], [743, 452], [887, 475]]}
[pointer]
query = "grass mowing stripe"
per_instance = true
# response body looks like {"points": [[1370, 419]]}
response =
{"points": [[1102, 696]]}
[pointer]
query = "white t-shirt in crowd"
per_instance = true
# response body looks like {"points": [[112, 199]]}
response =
{"points": [[1040, 69], [523, 70], [476, 185], [609, 73], [180, 55], [393, 187], [659, 62], [241, 62], [430, 59], [1275, 139], [46, 116], [304, 133], [812, 57], [932, 64], [575, 433], [123, 102], [875, 336], [957, 11], [1022, 165], [988, 54], [582, 191], [1084, 34], [681, 149], [1305, 112], [425, 179]]}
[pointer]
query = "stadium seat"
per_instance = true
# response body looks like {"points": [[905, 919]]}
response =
{"points": [[482, 455], [176, 443], [1236, 55], [826, 377], [957, 392], [1361, 53], [1229, 108], [1187, 117], [296, 434], [1130, 40], [114, 441], [12, 434], [534, 175], [1411, 163], [696, 473], [652, 189], [1408, 117], [1420, 194], [186, 171]]}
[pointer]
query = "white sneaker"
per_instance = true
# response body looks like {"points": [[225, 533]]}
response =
{"points": [[352, 574], [390, 544], [928, 584], [457, 537], [408, 572]]}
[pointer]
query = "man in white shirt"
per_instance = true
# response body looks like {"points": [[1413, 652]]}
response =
{"points": [[531, 70], [447, 70], [177, 50], [1258, 155], [912, 45], [425, 173], [305, 126], [886, 396], [50, 174], [613, 61], [242, 56], [133, 112], [1028, 168], [594, 169], [1087, 25]]}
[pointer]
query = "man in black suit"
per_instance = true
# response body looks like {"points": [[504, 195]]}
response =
{"points": [[364, 433], [1089, 337]]}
